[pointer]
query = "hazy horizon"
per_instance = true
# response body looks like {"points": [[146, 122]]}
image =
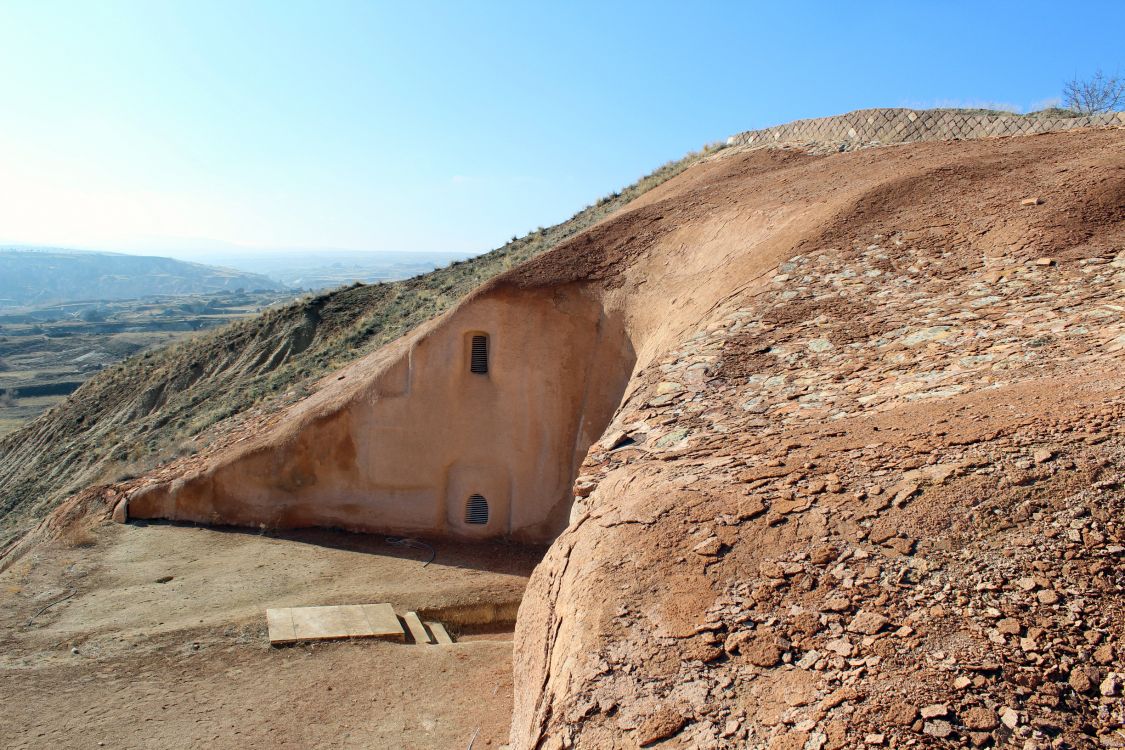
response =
{"points": [[189, 251], [256, 127]]}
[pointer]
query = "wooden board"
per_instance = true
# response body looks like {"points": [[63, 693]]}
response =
{"points": [[417, 629], [291, 624], [440, 633]]}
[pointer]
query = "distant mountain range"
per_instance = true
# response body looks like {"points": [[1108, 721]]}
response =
{"points": [[328, 268], [36, 276], [45, 276]]}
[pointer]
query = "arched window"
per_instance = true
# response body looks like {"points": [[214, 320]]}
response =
{"points": [[476, 510], [478, 356]]}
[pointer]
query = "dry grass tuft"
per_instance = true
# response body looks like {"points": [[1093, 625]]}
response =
{"points": [[78, 535]]}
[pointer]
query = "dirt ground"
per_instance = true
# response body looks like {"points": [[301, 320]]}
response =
{"points": [[119, 659]]}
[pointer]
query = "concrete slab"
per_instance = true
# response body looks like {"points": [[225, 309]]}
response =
{"points": [[417, 629], [280, 622], [291, 624], [440, 633]]}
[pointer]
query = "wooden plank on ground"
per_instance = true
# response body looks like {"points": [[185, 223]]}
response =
{"points": [[417, 629], [291, 624], [440, 633]]}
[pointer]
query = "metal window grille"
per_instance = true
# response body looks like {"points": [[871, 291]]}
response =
{"points": [[478, 359], [476, 510]]}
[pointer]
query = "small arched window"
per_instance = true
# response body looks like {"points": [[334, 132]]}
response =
{"points": [[478, 355], [476, 510]]}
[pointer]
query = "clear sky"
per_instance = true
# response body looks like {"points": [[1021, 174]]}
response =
{"points": [[423, 126]]}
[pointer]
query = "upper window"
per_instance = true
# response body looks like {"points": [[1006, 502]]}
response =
{"points": [[478, 356]]}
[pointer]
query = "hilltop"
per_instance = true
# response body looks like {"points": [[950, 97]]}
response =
{"points": [[869, 469], [860, 485]]}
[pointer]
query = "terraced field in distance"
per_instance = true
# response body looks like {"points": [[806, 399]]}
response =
{"points": [[47, 352]]}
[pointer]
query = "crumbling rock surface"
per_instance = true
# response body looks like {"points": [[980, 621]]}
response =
{"points": [[872, 494]]}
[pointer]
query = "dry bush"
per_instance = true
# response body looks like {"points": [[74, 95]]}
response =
{"points": [[1095, 95], [77, 535]]}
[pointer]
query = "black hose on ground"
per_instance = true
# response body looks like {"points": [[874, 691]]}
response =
{"points": [[405, 541]]}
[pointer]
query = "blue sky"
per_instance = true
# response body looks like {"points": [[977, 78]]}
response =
{"points": [[452, 126]]}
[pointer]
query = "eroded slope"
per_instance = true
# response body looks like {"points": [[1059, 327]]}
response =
{"points": [[872, 492]]}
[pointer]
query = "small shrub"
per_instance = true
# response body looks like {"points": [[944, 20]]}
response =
{"points": [[77, 535], [1095, 95], [1054, 112]]}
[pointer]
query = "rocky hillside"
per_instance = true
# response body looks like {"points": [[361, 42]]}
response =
{"points": [[152, 408], [869, 471], [866, 482], [53, 276]]}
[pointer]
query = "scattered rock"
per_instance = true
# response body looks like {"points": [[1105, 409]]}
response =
{"points": [[980, 718], [1009, 626], [762, 650], [903, 546], [750, 507], [868, 623], [1082, 679], [980, 739], [901, 714], [709, 547], [938, 728], [823, 555], [614, 439], [661, 725]]}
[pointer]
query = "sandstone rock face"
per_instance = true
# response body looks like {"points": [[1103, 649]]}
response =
{"points": [[884, 504], [410, 434]]}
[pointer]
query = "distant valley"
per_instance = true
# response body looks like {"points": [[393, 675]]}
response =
{"points": [[47, 352], [67, 314]]}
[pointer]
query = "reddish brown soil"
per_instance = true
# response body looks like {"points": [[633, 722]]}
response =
{"points": [[128, 662], [980, 184], [874, 492]]}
